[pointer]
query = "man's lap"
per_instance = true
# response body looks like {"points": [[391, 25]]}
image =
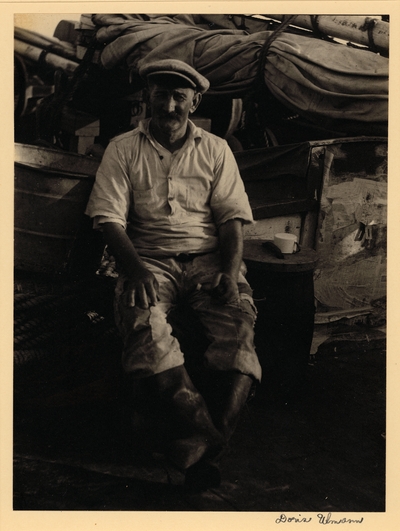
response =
{"points": [[150, 346]]}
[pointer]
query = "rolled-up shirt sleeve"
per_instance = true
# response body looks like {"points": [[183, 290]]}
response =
{"points": [[110, 197], [229, 199]]}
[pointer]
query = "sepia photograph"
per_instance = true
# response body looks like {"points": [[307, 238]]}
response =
{"points": [[200, 264]]}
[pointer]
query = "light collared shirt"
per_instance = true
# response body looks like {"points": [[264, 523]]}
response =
{"points": [[169, 203]]}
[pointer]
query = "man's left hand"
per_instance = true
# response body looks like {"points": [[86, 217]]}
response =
{"points": [[224, 288]]}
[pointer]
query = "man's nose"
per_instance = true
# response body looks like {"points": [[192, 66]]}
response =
{"points": [[169, 104]]}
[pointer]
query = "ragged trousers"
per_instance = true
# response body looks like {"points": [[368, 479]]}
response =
{"points": [[149, 344]]}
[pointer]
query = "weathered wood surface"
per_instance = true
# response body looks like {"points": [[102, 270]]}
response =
{"points": [[264, 259], [35, 54], [51, 191], [358, 29]]}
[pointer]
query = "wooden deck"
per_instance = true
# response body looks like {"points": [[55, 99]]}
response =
{"points": [[323, 449]]}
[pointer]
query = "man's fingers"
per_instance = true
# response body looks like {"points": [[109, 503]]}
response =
{"points": [[152, 294], [131, 298], [142, 296], [226, 291]]}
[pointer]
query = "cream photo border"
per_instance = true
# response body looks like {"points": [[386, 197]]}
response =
{"points": [[162, 521]]}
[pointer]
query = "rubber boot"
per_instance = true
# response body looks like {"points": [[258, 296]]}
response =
{"points": [[238, 388], [196, 436], [233, 392]]}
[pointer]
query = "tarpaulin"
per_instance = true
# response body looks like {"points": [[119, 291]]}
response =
{"points": [[272, 162], [329, 83]]}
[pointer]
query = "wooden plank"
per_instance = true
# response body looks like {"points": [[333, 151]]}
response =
{"points": [[264, 229], [314, 188], [285, 208]]}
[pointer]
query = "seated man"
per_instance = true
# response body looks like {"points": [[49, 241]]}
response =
{"points": [[171, 204]]}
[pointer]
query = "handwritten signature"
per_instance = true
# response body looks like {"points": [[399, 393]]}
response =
{"points": [[321, 519]]}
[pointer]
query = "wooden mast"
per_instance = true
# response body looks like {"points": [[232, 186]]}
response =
{"points": [[368, 31]]}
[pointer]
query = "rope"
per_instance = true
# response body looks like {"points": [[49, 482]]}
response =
{"points": [[265, 48], [49, 110], [369, 27], [242, 25], [254, 100], [49, 302], [23, 357], [315, 26], [317, 31]]}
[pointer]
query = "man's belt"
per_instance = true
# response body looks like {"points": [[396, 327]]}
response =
{"points": [[187, 257]]}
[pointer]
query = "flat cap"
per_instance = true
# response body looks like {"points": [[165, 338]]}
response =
{"points": [[175, 67]]}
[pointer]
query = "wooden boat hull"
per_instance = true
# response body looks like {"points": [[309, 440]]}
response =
{"points": [[52, 234]]}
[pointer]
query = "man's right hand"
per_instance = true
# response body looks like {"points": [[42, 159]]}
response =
{"points": [[141, 289], [141, 286]]}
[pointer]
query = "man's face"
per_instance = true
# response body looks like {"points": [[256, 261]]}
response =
{"points": [[171, 105]]}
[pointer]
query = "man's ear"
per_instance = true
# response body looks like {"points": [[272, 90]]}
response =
{"points": [[196, 102]]}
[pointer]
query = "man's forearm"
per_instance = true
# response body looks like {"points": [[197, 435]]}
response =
{"points": [[121, 247], [231, 247]]}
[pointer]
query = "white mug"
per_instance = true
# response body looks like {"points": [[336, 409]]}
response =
{"points": [[286, 242]]}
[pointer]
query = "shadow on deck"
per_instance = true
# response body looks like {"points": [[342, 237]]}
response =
{"points": [[321, 449]]}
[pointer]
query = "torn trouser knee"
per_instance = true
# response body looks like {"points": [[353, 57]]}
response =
{"points": [[230, 329], [149, 346]]}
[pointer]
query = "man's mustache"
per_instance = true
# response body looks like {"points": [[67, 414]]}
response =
{"points": [[169, 115]]}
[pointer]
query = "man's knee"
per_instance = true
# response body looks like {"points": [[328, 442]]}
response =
{"points": [[149, 346]]}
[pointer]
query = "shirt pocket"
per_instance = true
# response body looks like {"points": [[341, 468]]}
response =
{"points": [[194, 193], [144, 203]]}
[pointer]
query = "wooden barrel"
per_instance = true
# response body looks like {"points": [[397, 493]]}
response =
{"points": [[52, 234], [284, 296]]}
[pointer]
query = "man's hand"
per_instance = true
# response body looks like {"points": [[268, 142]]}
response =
{"points": [[224, 288], [141, 289], [141, 286]]}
